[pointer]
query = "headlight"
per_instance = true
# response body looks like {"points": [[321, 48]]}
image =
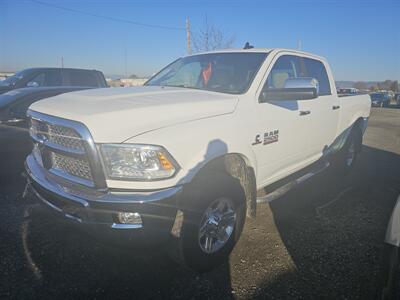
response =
{"points": [[137, 162]]}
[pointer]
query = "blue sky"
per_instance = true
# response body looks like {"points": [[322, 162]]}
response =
{"points": [[360, 38]]}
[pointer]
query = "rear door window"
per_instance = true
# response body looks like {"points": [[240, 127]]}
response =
{"points": [[316, 69], [81, 78]]}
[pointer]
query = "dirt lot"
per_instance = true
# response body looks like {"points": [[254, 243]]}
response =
{"points": [[321, 240]]}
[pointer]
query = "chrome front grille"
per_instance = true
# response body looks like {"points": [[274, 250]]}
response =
{"points": [[65, 137], [66, 149], [73, 166], [57, 134]]}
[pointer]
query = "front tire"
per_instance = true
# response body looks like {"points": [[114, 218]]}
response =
{"points": [[214, 212]]}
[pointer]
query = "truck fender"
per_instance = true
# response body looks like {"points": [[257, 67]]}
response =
{"points": [[341, 139], [237, 166]]}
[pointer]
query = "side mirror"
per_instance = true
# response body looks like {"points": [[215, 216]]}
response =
{"points": [[294, 89], [32, 84]]}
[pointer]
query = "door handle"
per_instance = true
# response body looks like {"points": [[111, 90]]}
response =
{"points": [[335, 107], [304, 112]]}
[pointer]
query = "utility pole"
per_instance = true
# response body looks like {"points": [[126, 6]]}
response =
{"points": [[126, 63], [62, 62], [189, 50]]}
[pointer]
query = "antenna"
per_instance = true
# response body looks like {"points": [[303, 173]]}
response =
{"points": [[248, 46]]}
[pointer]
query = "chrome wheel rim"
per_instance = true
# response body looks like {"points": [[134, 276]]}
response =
{"points": [[217, 225], [350, 154]]}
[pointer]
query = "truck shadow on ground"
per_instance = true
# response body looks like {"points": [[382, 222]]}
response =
{"points": [[322, 239], [333, 230]]}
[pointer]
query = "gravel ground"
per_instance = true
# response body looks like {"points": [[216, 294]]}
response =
{"points": [[321, 240]]}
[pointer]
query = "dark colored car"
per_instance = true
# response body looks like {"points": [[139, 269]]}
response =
{"points": [[380, 99], [15, 143], [46, 77]]}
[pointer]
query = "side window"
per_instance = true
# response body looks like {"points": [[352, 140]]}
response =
{"points": [[316, 69], [48, 78], [82, 78], [287, 66], [39, 79]]}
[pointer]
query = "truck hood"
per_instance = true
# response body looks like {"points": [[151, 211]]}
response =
{"points": [[114, 115]]}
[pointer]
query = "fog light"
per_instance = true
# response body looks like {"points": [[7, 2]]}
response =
{"points": [[129, 218]]}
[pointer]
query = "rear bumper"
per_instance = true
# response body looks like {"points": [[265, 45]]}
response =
{"points": [[97, 212]]}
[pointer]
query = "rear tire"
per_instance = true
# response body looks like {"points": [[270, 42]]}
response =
{"points": [[210, 203], [344, 160]]}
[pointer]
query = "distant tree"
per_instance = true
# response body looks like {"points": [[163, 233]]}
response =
{"points": [[373, 88], [394, 86], [385, 85], [360, 85], [210, 38], [133, 76]]}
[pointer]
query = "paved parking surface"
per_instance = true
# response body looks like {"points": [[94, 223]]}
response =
{"points": [[321, 240]]}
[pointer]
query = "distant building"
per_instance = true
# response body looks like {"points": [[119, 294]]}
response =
{"points": [[4, 75]]}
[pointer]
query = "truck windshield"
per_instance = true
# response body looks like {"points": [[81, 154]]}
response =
{"points": [[220, 72]]}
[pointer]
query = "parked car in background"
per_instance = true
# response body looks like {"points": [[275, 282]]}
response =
{"points": [[180, 159], [391, 95], [391, 258], [397, 97], [14, 135], [42, 77], [380, 99], [348, 91]]}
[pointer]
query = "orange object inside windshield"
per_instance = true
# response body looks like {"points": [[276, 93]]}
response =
{"points": [[207, 74]]}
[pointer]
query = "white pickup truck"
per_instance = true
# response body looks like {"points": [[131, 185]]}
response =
{"points": [[180, 160]]}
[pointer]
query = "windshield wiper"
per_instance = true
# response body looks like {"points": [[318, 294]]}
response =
{"points": [[179, 85]]}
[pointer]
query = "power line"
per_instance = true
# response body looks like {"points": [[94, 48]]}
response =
{"points": [[105, 17]]}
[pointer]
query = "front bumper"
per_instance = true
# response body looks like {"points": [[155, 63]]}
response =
{"points": [[97, 211]]}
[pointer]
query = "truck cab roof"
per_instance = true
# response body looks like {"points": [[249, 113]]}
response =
{"points": [[261, 50]]}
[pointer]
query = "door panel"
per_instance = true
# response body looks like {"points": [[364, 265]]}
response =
{"points": [[281, 140], [324, 111]]}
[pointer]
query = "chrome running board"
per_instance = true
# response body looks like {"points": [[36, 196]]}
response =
{"points": [[282, 190]]}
